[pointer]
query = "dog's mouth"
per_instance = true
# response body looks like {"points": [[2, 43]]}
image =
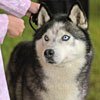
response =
{"points": [[50, 60]]}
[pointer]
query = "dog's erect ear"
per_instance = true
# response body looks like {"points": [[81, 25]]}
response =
{"points": [[44, 15], [78, 16]]}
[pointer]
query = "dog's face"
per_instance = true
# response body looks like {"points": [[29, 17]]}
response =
{"points": [[60, 39]]}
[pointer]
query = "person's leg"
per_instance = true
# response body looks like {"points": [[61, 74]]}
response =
{"points": [[63, 6], [55, 6], [85, 5]]}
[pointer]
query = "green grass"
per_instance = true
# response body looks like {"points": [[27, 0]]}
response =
{"points": [[94, 25], [94, 93]]}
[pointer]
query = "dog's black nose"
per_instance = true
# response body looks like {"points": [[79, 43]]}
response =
{"points": [[49, 53]]}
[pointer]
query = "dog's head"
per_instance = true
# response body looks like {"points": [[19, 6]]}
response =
{"points": [[61, 38]]}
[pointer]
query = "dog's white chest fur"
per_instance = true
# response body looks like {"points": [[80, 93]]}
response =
{"points": [[61, 82]]}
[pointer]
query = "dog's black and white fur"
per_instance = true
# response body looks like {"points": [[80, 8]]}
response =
{"points": [[56, 64]]}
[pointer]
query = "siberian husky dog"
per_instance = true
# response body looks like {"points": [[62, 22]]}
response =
{"points": [[56, 64]]}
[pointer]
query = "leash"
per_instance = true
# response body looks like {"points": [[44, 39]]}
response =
{"points": [[33, 18]]}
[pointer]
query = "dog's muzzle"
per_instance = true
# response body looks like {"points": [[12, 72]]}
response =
{"points": [[49, 54]]}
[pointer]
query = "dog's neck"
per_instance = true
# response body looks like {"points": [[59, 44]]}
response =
{"points": [[61, 81]]}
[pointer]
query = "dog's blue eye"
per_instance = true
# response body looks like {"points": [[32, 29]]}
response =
{"points": [[65, 38], [46, 38]]}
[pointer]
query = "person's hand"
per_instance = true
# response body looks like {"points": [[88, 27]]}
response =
{"points": [[33, 8], [15, 26]]}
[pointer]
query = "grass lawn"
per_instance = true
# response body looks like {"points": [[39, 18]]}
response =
{"points": [[94, 25]]}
